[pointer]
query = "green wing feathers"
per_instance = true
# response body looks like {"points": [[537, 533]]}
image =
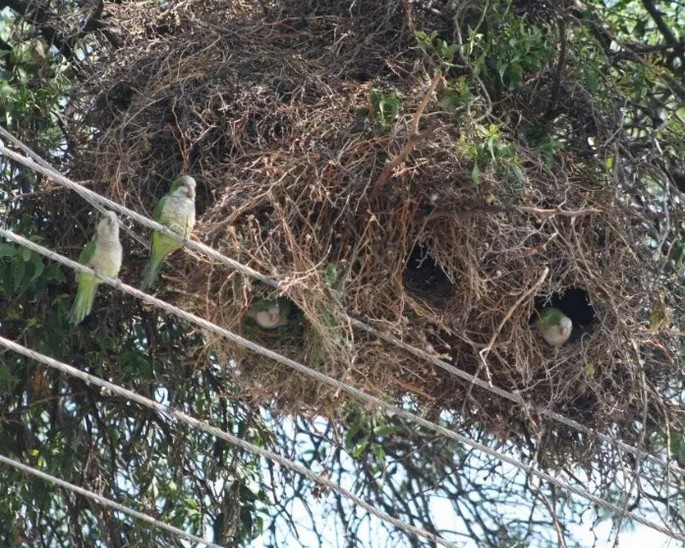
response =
{"points": [[87, 286], [157, 212], [87, 252]]}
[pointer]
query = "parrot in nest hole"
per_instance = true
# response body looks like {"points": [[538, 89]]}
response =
{"points": [[270, 313], [554, 326], [102, 254], [176, 210]]}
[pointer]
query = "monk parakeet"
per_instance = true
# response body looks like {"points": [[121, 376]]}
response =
{"points": [[102, 254], [176, 211], [270, 314], [554, 326]]}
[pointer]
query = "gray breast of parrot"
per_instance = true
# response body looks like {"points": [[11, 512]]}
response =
{"points": [[178, 214], [107, 256]]}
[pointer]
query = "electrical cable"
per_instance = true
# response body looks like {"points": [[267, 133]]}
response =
{"points": [[197, 424], [104, 501], [36, 163], [360, 395]]}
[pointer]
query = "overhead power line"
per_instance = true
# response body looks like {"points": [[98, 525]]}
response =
{"points": [[91, 196], [317, 375], [104, 501], [221, 434], [36, 163]]}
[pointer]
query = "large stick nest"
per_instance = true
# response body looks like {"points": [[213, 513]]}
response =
{"points": [[273, 115]]}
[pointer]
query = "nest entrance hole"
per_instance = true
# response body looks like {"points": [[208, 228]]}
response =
{"points": [[424, 277]]}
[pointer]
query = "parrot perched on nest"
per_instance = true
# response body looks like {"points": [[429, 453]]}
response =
{"points": [[176, 210], [554, 326], [102, 254], [269, 313]]}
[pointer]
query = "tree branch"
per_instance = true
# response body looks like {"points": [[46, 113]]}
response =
{"points": [[411, 143], [657, 16]]}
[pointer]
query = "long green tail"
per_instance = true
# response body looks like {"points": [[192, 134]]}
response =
{"points": [[151, 272], [85, 296], [161, 246]]}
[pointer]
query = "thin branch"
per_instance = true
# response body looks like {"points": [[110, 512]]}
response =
{"points": [[413, 139], [483, 354], [657, 16], [540, 212], [560, 68]]}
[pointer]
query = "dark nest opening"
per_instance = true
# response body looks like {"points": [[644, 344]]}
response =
{"points": [[271, 114], [423, 276]]}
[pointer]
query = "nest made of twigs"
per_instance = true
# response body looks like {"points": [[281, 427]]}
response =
{"points": [[270, 113]]}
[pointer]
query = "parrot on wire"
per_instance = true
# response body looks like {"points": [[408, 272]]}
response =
{"points": [[270, 314], [554, 326], [176, 210], [102, 254]]}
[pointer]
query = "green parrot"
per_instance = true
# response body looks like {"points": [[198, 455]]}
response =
{"points": [[554, 326], [270, 313], [102, 254], [176, 210]]}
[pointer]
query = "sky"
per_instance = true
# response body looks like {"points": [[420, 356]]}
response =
{"points": [[589, 533]]}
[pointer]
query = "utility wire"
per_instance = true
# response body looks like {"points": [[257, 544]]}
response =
{"points": [[197, 424], [363, 396], [104, 501], [34, 162], [89, 196]]}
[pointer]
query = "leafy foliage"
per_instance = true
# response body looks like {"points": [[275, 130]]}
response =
{"points": [[491, 56], [383, 111]]}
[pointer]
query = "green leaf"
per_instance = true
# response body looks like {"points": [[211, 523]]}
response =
{"points": [[359, 450], [7, 380], [18, 270], [591, 77], [7, 92], [383, 430], [12, 313], [515, 74], [135, 364], [450, 100], [378, 452], [475, 173], [54, 273], [38, 266], [351, 434], [7, 250]]}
